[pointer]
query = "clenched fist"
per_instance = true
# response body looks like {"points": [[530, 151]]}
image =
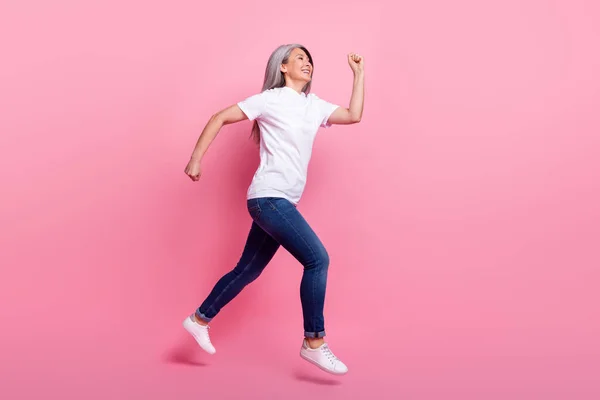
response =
{"points": [[193, 170], [356, 62]]}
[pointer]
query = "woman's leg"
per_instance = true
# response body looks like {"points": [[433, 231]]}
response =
{"points": [[259, 250], [283, 221], [280, 219]]}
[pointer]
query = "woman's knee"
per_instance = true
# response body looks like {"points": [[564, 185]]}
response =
{"points": [[319, 260], [325, 259]]}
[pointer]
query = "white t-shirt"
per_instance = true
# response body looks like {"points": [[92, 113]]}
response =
{"points": [[288, 123]]}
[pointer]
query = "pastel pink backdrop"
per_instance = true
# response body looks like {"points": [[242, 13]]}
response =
{"points": [[461, 215]]}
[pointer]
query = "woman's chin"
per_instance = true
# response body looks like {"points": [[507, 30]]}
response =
{"points": [[304, 79]]}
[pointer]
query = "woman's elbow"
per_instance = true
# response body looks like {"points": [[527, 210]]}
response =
{"points": [[217, 118]]}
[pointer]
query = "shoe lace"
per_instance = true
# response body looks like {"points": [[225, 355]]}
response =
{"points": [[328, 353], [207, 335]]}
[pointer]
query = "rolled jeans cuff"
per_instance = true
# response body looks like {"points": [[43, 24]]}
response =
{"points": [[314, 335], [203, 317]]}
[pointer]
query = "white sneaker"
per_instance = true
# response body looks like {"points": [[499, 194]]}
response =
{"points": [[200, 333], [323, 358]]}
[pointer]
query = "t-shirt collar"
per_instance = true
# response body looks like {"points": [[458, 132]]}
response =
{"points": [[298, 94]]}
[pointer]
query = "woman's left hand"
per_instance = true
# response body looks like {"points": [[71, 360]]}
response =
{"points": [[356, 62]]}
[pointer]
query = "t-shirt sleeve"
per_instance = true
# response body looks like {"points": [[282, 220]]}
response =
{"points": [[253, 106], [325, 110]]}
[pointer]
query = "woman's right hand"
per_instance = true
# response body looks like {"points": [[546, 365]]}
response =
{"points": [[193, 169]]}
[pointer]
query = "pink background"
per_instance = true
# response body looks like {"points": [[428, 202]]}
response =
{"points": [[461, 215]]}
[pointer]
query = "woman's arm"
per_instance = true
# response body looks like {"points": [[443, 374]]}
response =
{"points": [[224, 117], [353, 114]]}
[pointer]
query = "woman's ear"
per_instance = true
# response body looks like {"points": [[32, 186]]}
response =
{"points": [[283, 68]]}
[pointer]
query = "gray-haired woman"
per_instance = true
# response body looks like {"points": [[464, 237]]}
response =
{"points": [[286, 119]]}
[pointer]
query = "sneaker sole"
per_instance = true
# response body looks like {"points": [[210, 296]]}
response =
{"points": [[310, 360], [188, 330]]}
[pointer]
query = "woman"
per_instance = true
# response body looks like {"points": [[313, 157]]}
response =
{"points": [[286, 119]]}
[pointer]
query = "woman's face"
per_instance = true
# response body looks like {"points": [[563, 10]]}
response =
{"points": [[298, 67]]}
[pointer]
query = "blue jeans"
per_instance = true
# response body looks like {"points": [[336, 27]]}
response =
{"points": [[277, 222]]}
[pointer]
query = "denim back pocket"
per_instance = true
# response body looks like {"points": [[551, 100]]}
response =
{"points": [[254, 208]]}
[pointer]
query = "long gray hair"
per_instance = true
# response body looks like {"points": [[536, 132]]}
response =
{"points": [[274, 78]]}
